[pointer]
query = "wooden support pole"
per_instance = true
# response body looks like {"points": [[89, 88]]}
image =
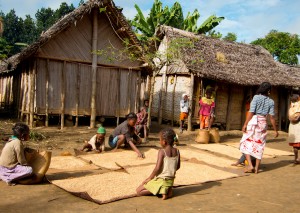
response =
{"points": [[62, 96], [21, 94], [32, 94], [118, 96], [47, 95], [94, 69], [138, 93], [191, 93], [229, 106], [280, 105], [23, 106], [173, 100], [77, 94], [129, 90]]}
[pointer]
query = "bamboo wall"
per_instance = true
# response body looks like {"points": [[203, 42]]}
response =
{"points": [[182, 84], [230, 101]]}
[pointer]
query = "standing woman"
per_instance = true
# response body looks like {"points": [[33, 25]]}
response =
{"points": [[255, 127]]}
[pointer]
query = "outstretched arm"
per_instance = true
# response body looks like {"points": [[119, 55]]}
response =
{"points": [[133, 147], [157, 168]]}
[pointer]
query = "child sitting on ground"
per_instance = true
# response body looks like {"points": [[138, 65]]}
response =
{"points": [[97, 142], [13, 165], [162, 178], [242, 161], [207, 107]]}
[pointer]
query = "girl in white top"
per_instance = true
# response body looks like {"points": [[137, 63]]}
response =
{"points": [[168, 162]]}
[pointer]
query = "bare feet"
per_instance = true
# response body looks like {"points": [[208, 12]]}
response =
{"points": [[170, 192], [248, 169], [235, 164], [297, 161], [164, 197]]}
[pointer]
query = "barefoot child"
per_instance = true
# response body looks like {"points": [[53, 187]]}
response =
{"points": [[13, 165], [125, 134], [168, 162], [141, 124], [97, 142], [207, 107]]}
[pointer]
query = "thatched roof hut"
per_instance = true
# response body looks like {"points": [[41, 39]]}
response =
{"points": [[60, 74], [234, 67]]}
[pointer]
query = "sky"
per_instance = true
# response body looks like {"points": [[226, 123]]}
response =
{"points": [[248, 19]]}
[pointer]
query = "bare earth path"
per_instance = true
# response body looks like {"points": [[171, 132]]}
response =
{"points": [[276, 189]]}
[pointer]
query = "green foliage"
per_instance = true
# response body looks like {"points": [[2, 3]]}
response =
{"points": [[5, 48], [214, 34], [36, 136], [282, 45], [173, 17], [81, 2], [230, 37]]}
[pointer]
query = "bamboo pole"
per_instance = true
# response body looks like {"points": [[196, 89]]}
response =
{"points": [[229, 105], [32, 91], [47, 95], [77, 94], [152, 83], [94, 69], [173, 100], [191, 102], [62, 96]]}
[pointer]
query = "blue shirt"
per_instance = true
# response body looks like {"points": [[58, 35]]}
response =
{"points": [[262, 105]]}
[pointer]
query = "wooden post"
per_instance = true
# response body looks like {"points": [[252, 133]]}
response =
{"points": [[118, 96], [21, 93], [77, 94], [228, 114], [152, 83], [47, 95], [243, 117], [138, 93], [62, 96], [191, 102], [129, 90], [32, 92], [94, 69], [173, 100], [23, 107], [279, 108]]}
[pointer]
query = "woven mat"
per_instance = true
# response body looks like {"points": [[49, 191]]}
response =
{"points": [[70, 163], [205, 157], [125, 158], [269, 152], [116, 185]]}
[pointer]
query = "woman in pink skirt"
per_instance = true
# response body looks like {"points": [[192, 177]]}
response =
{"points": [[255, 127]]}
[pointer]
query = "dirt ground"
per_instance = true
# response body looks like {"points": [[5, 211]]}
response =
{"points": [[275, 189]]}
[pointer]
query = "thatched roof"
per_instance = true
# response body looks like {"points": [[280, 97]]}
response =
{"points": [[114, 14], [232, 62]]}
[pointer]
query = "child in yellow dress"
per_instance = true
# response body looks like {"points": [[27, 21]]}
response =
{"points": [[162, 178]]}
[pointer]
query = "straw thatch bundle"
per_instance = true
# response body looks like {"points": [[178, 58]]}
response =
{"points": [[232, 62]]}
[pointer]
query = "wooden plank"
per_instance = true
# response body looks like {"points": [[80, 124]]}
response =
{"points": [[47, 94], [62, 96], [191, 102], [94, 69], [229, 105], [77, 94], [129, 91], [173, 100]]}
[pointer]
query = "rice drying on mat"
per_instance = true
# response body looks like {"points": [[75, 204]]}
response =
{"points": [[109, 160], [68, 163], [268, 152], [101, 188], [229, 151], [205, 157]]}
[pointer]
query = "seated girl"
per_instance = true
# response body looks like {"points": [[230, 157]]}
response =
{"points": [[168, 162], [125, 134], [13, 165]]}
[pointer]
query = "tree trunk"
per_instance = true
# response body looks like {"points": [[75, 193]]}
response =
{"points": [[191, 103], [151, 100]]}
